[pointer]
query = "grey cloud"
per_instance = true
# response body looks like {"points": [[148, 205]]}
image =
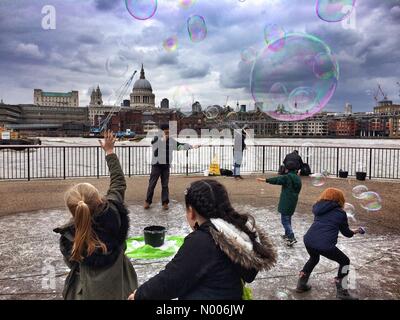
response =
{"points": [[106, 5], [168, 59], [195, 71]]}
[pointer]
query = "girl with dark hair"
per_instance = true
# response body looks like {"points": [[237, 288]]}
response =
{"points": [[224, 250]]}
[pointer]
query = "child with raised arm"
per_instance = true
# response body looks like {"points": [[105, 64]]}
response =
{"points": [[93, 242]]}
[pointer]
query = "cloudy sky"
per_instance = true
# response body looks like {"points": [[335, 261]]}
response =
{"points": [[99, 42]]}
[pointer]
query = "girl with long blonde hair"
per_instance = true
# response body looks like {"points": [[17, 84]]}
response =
{"points": [[93, 242]]}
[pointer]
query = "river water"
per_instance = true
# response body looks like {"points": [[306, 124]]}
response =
{"points": [[80, 157]]}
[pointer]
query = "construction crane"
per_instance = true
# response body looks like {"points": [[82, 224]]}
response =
{"points": [[382, 93], [379, 92], [226, 102], [120, 93]]}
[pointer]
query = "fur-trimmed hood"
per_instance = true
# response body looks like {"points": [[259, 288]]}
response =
{"points": [[239, 248]]}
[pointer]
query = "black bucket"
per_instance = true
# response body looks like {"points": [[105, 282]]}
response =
{"points": [[154, 236], [343, 174], [361, 176]]}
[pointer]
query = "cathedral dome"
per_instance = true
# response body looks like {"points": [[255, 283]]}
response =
{"points": [[142, 83]]}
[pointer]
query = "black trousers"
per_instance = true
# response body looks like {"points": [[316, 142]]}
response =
{"points": [[334, 255], [157, 171]]}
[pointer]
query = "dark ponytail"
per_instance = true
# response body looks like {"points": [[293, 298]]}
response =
{"points": [[210, 200]]}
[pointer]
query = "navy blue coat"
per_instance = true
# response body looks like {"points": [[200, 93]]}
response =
{"points": [[329, 219]]}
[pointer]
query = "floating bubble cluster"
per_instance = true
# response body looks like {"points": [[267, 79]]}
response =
{"points": [[212, 112], [197, 28], [274, 36], [326, 172], [296, 81], [249, 55], [318, 179], [171, 44], [281, 295], [117, 66], [307, 150], [141, 9], [334, 10], [182, 98], [186, 3], [322, 66], [371, 201], [358, 191], [278, 93], [350, 211]]}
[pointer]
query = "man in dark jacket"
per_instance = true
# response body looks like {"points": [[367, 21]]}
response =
{"points": [[295, 158], [239, 145], [162, 146], [321, 240]]}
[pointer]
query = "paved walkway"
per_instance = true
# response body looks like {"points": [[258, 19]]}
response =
{"points": [[29, 254]]}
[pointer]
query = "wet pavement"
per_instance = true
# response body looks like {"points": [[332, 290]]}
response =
{"points": [[30, 259]]}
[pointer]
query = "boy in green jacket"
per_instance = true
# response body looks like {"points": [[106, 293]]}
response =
{"points": [[291, 187]]}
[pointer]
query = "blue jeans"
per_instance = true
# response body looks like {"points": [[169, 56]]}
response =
{"points": [[287, 225], [236, 169]]}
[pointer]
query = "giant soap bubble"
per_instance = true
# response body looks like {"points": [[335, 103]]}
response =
{"points": [[371, 201], [297, 81], [358, 191], [141, 9], [334, 10], [183, 98], [318, 179], [197, 28]]}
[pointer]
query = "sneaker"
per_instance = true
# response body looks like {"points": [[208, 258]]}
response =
{"points": [[291, 242], [284, 237], [146, 205], [165, 206]]}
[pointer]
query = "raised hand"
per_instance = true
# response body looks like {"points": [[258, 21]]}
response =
{"points": [[108, 143], [132, 296]]}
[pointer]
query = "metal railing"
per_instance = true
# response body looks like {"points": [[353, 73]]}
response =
{"points": [[63, 162]]}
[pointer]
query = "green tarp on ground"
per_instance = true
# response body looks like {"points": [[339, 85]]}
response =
{"points": [[137, 249]]}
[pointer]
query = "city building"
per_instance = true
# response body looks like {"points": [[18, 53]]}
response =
{"points": [[55, 99], [315, 126], [165, 103], [344, 126], [348, 109], [387, 106], [141, 122], [45, 121], [142, 93], [394, 126], [96, 98], [196, 107]]}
